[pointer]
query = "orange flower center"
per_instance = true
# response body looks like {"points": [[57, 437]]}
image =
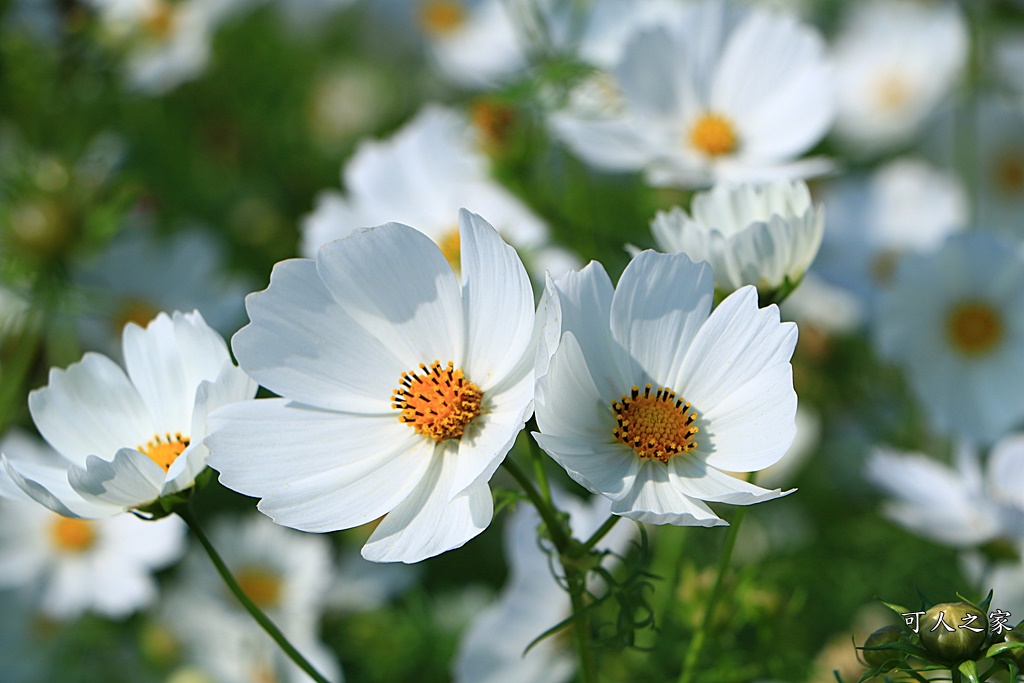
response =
{"points": [[1009, 174], [261, 585], [892, 93], [442, 17], [438, 402], [166, 449], [656, 426], [451, 246], [714, 135], [133, 310], [73, 535], [974, 328]]}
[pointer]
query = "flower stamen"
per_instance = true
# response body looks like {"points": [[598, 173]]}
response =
{"points": [[974, 328], [442, 17], [166, 449], [72, 535], [439, 402], [714, 135], [656, 426]]}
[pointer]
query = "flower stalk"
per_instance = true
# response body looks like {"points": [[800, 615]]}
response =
{"points": [[261, 618]]}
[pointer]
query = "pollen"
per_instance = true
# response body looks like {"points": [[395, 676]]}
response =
{"points": [[442, 17], [714, 135], [72, 535], [974, 328], [164, 450], [893, 93], [656, 425], [451, 246], [160, 21], [437, 401], [260, 585]]}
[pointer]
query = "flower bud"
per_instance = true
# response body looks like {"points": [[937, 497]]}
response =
{"points": [[950, 634], [886, 635], [1016, 635]]}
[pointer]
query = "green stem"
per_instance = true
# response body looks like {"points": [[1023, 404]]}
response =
{"points": [[577, 581], [689, 671], [547, 511], [601, 532], [257, 614], [538, 460], [957, 676]]}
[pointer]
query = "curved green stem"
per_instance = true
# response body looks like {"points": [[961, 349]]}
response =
{"points": [[538, 460], [577, 581], [257, 614], [689, 671], [601, 532], [547, 511]]}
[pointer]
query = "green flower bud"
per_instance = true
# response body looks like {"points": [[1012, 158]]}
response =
{"points": [[1016, 635], [953, 632], [886, 635]]}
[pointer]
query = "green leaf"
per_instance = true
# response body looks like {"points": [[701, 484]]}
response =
{"points": [[998, 648], [969, 669]]}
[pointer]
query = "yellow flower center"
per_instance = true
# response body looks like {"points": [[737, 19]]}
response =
{"points": [[442, 17], [132, 310], [261, 585], [160, 20], [493, 121], [656, 426], [892, 93], [451, 247], [71, 535], [1009, 174], [166, 449], [974, 328], [713, 135], [438, 402]]}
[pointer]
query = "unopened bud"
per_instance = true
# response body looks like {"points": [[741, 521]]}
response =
{"points": [[887, 635], [1016, 635], [953, 632]]}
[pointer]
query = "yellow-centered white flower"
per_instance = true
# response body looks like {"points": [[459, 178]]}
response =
{"points": [[954, 320], [402, 388], [126, 440], [650, 397], [751, 235]]}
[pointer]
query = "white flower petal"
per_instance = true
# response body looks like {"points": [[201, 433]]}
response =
{"points": [[301, 344], [655, 500], [130, 480], [497, 301], [605, 468], [429, 521], [736, 343], [395, 283], [754, 426], [50, 488], [316, 470], [568, 401], [660, 303], [155, 366], [90, 408], [698, 480]]}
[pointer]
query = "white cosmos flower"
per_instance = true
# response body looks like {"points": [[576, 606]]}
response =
{"points": [[649, 397], [493, 646], [474, 43], [78, 565], [751, 235], [961, 506], [422, 176], [719, 92], [402, 388], [896, 61], [954, 320], [125, 440]]}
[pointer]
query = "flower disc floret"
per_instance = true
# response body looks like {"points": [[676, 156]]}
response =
{"points": [[656, 427], [438, 402], [713, 135]]}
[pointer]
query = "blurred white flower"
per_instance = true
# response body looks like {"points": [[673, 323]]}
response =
{"points": [[766, 236], [403, 388], [954, 320], [285, 573], [166, 42], [905, 206], [78, 565], [896, 61], [125, 440], [718, 92], [140, 274], [493, 646], [474, 43], [421, 177], [649, 396]]}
